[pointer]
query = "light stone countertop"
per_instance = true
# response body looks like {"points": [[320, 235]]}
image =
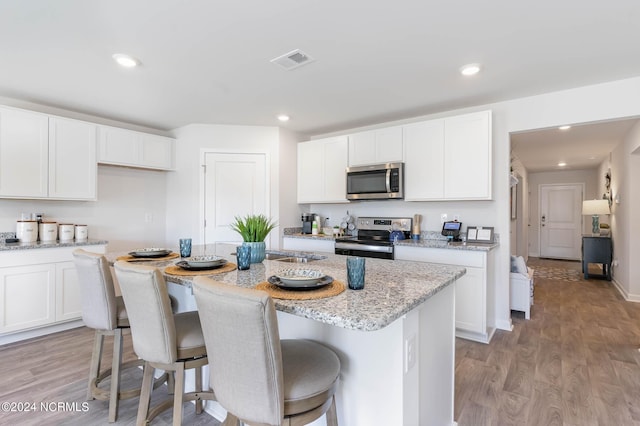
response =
{"points": [[53, 244], [392, 287]]}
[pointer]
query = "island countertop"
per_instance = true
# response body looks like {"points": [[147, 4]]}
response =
{"points": [[392, 287]]}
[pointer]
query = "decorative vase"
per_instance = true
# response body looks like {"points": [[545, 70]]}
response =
{"points": [[257, 250]]}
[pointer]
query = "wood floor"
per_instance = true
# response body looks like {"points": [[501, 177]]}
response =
{"points": [[576, 362], [53, 369]]}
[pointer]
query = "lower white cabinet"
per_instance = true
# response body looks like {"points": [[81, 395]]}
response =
{"points": [[319, 245], [39, 289], [475, 313]]}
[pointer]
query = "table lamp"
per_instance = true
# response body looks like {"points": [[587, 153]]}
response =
{"points": [[595, 208]]}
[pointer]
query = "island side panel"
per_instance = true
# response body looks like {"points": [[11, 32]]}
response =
{"points": [[385, 380]]}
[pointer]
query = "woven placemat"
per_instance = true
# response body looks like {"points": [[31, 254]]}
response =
{"points": [[330, 290], [176, 270], [129, 258]]}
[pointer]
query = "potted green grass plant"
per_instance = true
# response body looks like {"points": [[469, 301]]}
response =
{"points": [[254, 228]]}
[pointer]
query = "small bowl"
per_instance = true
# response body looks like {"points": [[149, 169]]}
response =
{"points": [[299, 275]]}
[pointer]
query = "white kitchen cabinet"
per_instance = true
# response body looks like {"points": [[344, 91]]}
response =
{"points": [[467, 156], [24, 154], [46, 157], [475, 313], [321, 170], [68, 300], [39, 292], [129, 148], [27, 297], [423, 157], [73, 169], [376, 146], [449, 159], [314, 245]]}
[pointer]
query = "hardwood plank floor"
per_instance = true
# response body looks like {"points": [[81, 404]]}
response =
{"points": [[53, 370], [576, 362]]}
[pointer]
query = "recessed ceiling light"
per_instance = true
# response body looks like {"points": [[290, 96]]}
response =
{"points": [[126, 61], [470, 69], [562, 164], [283, 117], [564, 127]]}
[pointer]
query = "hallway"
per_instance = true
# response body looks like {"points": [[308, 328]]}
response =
{"points": [[576, 362]]}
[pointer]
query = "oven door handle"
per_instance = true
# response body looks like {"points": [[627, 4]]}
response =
{"points": [[364, 247]]}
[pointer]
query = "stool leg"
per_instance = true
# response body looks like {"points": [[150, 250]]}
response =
{"points": [[198, 373], [331, 415], [178, 393], [116, 362], [145, 394], [96, 356]]}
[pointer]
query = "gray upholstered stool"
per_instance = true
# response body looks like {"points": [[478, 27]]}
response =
{"points": [[103, 311], [167, 341], [257, 378]]}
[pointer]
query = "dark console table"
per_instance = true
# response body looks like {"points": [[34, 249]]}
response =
{"points": [[597, 249]]}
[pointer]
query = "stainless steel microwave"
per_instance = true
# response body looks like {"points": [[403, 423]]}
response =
{"points": [[376, 182]]}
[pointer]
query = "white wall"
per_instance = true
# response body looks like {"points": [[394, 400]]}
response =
{"points": [[185, 185]]}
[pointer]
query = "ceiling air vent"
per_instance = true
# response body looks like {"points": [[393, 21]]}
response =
{"points": [[294, 59]]}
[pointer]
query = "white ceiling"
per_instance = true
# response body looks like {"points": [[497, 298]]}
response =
{"points": [[581, 147], [207, 61]]}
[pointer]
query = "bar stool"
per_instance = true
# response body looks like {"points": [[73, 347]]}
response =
{"points": [[258, 378], [164, 340], [104, 312]]}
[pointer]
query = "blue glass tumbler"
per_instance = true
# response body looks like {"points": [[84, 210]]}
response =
{"points": [[185, 247], [243, 254], [355, 273]]}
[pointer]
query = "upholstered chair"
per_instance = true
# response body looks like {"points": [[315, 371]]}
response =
{"points": [[103, 311], [257, 378], [167, 341]]}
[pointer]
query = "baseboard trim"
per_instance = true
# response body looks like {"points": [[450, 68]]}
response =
{"points": [[506, 325], [629, 297], [41, 331]]}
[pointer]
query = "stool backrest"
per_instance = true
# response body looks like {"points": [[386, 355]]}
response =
{"points": [[99, 306], [240, 330], [149, 310]]}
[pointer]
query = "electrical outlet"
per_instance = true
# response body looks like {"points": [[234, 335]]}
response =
{"points": [[443, 217], [457, 217], [410, 353], [148, 217]]}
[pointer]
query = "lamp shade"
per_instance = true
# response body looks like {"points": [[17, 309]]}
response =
{"points": [[595, 207]]}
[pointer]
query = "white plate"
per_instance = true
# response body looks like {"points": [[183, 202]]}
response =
{"points": [[301, 286], [299, 276], [205, 261], [150, 252]]}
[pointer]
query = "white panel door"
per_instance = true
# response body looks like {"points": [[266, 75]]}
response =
{"points": [[561, 221], [24, 150], [234, 185]]}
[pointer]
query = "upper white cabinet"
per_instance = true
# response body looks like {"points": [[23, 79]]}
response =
{"points": [[423, 157], [49, 157], [134, 149], [376, 146], [321, 170], [449, 159], [467, 156], [72, 159]]}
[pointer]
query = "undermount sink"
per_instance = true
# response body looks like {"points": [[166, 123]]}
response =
{"points": [[293, 257]]}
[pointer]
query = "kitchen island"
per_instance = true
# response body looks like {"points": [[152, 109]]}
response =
{"points": [[395, 338]]}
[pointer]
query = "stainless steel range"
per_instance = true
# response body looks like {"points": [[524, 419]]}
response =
{"points": [[374, 237]]}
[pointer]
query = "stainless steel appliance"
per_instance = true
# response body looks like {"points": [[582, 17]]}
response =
{"points": [[376, 182], [307, 221], [373, 238]]}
